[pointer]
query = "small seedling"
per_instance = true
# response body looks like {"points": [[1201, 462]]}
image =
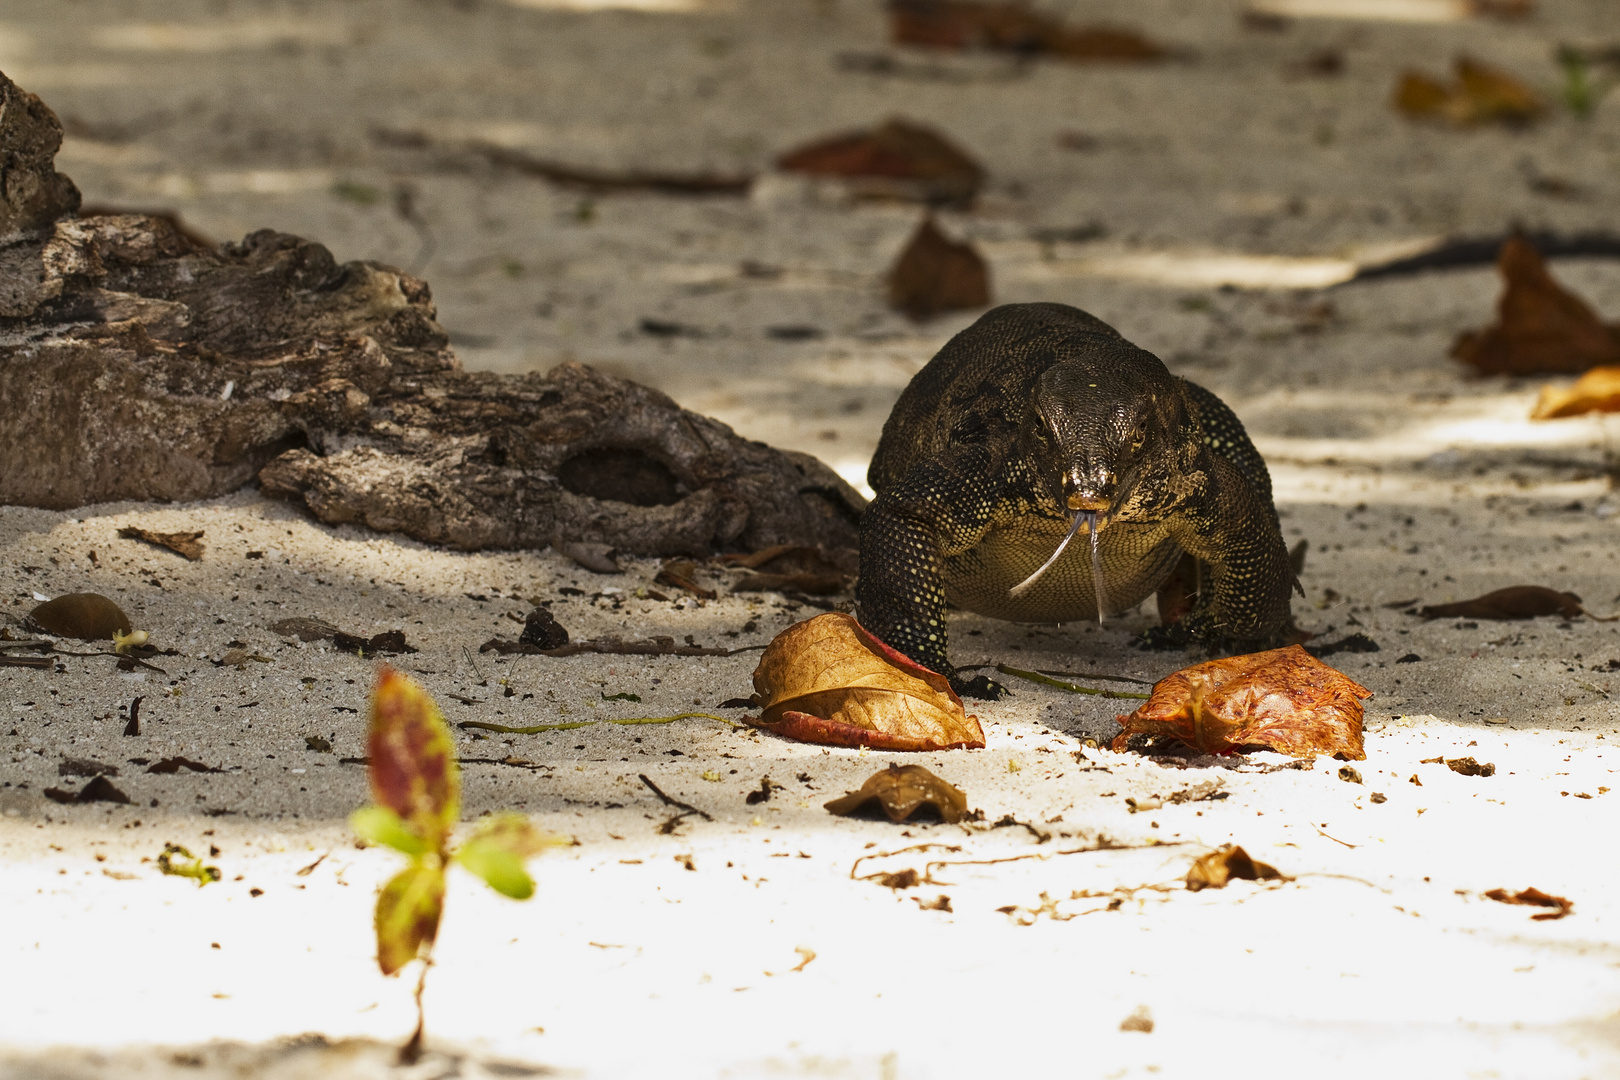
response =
{"points": [[195, 869], [416, 785]]}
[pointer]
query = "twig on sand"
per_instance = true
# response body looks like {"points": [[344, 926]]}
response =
{"points": [[687, 809], [539, 729], [1073, 688]]}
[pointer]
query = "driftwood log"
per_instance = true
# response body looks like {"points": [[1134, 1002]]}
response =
{"points": [[137, 364]]}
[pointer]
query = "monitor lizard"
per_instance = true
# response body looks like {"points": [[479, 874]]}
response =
{"points": [[1039, 424]]}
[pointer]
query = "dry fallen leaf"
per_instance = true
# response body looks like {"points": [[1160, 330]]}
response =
{"points": [[1230, 863], [1540, 327], [682, 574], [789, 567], [1469, 766], [1478, 95], [188, 544], [827, 680], [1534, 897], [86, 616], [900, 790], [1284, 700], [935, 274], [896, 160], [1596, 391], [1004, 27], [1514, 602]]}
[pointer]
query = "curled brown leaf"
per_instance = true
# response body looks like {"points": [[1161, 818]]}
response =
{"points": [[897, 159], [1230, 863], [935, 274], [1513, 602], [1540, 328], [827, 680], [900, 791]]}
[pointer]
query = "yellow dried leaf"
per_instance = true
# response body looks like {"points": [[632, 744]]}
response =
{"points": [[827, 680]]}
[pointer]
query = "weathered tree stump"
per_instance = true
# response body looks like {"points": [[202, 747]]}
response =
{"points": [[136, 364]]}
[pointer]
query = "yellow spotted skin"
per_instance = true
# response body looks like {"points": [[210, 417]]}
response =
{"points": [[1031, 408]]}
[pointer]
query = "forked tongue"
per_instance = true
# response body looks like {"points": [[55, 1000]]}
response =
{"points": [[1081, 517], [1097, 584]]}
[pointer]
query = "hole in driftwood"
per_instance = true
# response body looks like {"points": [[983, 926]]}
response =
{"points": [[627, 476]]}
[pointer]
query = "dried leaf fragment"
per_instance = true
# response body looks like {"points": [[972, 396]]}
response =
{"points": [[1480, 94], [900, 791], [1540, 328], [1468, 766], [1014, 28], [682, 574], [188, 544], [86, 616], [898, 160], [1140, 1020], [935, 274], [1535, 898], [790, 567], [542, 630], [1514, 602], [827, 680], [1283, 699], [1230, 863], [1596, 391]]}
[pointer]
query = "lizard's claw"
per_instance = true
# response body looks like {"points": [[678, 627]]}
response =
{"points": [[980, 686]]}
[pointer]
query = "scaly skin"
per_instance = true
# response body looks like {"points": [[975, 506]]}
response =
{"points": [[1032, 413]]}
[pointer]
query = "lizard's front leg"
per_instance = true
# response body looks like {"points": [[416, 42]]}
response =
{"points": [[906, 534], [1234, 531]]}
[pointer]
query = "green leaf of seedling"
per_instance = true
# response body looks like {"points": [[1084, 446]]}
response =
{"points": [[195, 869], [380, 825], [413, 759], [502, 870], [621, 697], [408, 910], [497, 848]]}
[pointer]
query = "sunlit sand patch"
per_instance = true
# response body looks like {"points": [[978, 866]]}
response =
{"points": [[239, 182], [226, 37], [1195, 270], [1414, 11], [656, 7]]}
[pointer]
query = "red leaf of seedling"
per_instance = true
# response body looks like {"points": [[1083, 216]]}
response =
{"points": [[413, 759]]}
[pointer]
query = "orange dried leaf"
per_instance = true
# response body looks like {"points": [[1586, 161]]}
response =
{"points": [[1230, 863], [902, 790], [1535, 898], [897, 159], [407, 917], [1284, 700], [1540, 328], [935, 274], [1596, 391], [828, 681], [413, 758], [1479, 94]]}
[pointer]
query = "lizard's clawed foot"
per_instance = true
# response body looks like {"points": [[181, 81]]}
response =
{"points": [[980, 686]]}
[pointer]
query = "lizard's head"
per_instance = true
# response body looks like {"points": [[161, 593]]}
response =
{"points": [[1099, 423]]}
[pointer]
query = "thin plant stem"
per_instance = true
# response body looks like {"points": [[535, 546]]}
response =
{"points": [[538, 729], [1073, 688]]}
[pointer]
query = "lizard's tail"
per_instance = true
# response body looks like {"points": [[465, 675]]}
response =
{"points": [[1087, 518]]}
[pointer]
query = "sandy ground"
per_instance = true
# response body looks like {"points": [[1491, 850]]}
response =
{"points": [[645, 952]]}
